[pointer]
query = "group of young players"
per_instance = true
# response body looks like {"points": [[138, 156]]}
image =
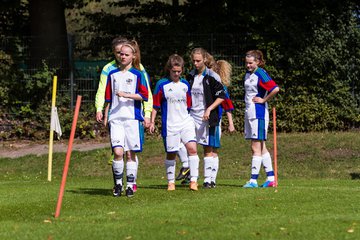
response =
{"points": [[191, 111]]}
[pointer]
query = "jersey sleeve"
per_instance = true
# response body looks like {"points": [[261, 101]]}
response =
{"points": [[142, 88], [108, 90], [158, 94], [149, 104], [265, 81], [218, 89], [100, 94], [227, 104]]}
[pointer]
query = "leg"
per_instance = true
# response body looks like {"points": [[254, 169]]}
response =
{"points": [[170, 166], [194, 165], [255, 163], [267, 163], [118, 170], [208, 163]]}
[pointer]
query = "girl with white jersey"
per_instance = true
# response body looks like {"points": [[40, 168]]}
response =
{"points": [[126, 88], [207, 94], [259, 89], [172, 95]]}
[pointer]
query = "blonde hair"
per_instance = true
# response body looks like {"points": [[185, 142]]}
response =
{"points": [[224, 69], [133, 45], [257, 55], [221, 67]]}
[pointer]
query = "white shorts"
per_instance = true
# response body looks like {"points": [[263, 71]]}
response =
{"points": [[207, 136], [173, 141], [256, 129], [126, 133]]}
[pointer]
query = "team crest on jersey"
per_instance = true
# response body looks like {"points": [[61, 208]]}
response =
{"points": [[129, 81]]}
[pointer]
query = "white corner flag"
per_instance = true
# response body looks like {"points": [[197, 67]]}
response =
{"points": [[55, 123]]}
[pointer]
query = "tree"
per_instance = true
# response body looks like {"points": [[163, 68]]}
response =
{"points": [[48, 33]]}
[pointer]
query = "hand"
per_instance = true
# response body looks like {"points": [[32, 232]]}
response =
{"points": [[206, 114], [121, 94], [231, 128], [99, 117], [258, 100], [147, 122], [152, 127]]}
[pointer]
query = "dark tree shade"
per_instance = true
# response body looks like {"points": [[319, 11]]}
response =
{"points": [[48, 32]]}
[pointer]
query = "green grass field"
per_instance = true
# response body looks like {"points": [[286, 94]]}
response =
{"points": [[317, 198]]}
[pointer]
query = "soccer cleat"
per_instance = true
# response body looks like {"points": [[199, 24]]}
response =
{"points": [[183, 174], [185, 181], [268, 184], [117, 190], [171, 187], [206, 185], [250, 185], [193, 186], [213, 185], [129, 192], [134, 187], [110, 161]]}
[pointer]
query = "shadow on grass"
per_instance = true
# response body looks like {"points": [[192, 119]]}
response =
{"points": [[92, 191], [355, 176]]}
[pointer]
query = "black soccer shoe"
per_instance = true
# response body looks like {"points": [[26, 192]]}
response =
{"points": [[184, 173], [117, 190], [129, 192], [206, 185], [213, 185]]}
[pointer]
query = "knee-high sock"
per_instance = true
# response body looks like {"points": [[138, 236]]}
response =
{"points": [[208, 163], [266, 159], [118, 171], [183, 155], [255, 168], [215, 169], [130, 173], [170, 166], [194, 167]]}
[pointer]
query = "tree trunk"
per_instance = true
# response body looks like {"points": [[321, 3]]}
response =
{"points": [[48, 34]]}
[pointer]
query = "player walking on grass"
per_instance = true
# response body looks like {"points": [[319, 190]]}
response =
{"points": [[172, 94], [207, 94], [221, 71], [126, 88], [259, 89], [100, 94]]}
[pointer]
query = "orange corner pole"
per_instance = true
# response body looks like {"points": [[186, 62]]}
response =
{"points": [[68, 155], [275, 147]]}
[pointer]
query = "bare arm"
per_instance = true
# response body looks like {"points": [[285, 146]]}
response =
{"points": [[152, 122], [268, 97], [215, 104]]}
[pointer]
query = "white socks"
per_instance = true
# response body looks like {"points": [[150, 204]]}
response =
{"points": [[170, 170], [215, 169], [118, 171], [268, 166], [183, 155], [208, 164], [255, 168], [194, 167]]}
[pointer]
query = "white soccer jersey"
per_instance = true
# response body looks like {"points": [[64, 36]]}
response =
{"points": [[131, 81], [198, 101], [175, 101], [257, 84]]}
